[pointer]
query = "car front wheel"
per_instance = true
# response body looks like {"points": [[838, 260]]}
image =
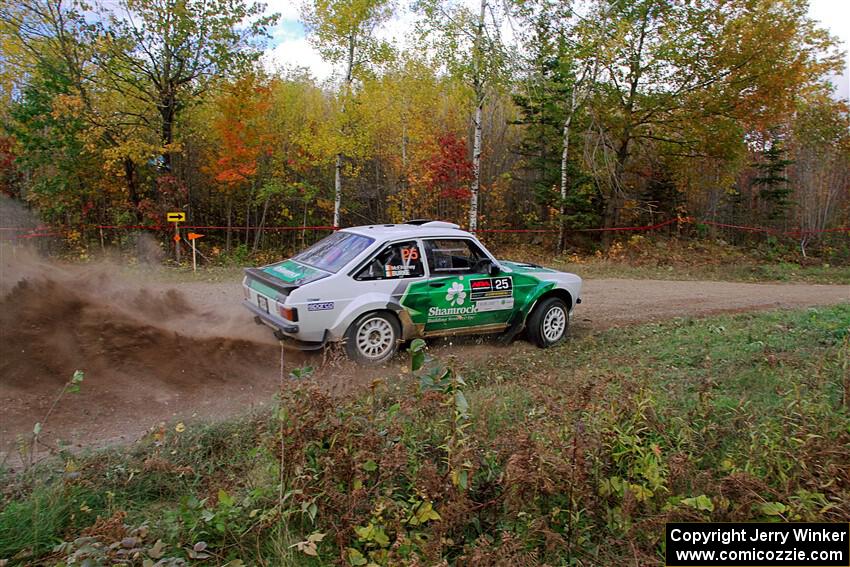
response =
{"points": [[548, 323], [372, 338]]}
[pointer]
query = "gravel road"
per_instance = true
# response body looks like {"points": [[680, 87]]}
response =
{"points": [[190, 351]]}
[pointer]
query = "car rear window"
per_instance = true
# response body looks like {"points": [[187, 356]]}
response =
{"points": [[332, 253]]}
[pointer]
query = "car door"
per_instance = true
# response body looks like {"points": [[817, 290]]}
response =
{"points": [[396, 271], [461, 294]]}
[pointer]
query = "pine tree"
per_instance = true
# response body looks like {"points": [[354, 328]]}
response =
{"points": [[774, 187]]}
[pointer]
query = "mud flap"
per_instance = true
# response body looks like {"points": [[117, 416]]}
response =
{"points": [[515, 326]]}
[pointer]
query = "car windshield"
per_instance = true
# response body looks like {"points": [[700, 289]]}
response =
{"points": [[332, 253]]}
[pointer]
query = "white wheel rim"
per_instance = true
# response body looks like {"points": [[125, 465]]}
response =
{"points": [[554, 323], [375, 338]]}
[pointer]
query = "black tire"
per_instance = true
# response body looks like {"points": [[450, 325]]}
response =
{"points": [[373, 338], [549, 316]]}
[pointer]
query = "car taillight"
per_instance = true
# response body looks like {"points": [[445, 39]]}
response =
{"points": [[289, 313]]}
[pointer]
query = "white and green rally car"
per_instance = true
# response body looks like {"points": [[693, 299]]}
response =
{"points": [[375, 286]]}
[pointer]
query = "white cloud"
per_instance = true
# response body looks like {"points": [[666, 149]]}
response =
{"points": [[288, 9], [294, 52]]}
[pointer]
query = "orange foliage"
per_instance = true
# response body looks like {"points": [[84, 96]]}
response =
{"points": [[241, 132]]}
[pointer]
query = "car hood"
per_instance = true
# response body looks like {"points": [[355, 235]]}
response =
{"points": [[524, 268]]}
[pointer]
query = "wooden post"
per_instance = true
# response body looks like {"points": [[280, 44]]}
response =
{"points": [[177, 241]]}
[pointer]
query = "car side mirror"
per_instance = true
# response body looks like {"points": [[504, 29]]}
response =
{"points": [[494, 269]]}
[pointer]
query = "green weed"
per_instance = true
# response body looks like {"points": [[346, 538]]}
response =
{"points": [[576, 455]]}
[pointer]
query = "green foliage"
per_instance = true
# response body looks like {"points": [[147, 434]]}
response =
{"points": [[771, 179], [339, 26], [30, 527], [51, 148]]}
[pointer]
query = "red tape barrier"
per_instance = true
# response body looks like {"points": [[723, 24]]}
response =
{"points": [[612, 229], [205, 227], [44, 231]]}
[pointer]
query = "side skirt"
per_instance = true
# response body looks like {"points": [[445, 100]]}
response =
{"points": [[491, 328]]}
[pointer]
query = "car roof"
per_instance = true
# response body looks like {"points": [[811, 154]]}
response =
{"points": [[418, 229]]}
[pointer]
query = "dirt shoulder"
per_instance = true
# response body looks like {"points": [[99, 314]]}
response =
{"points": [[155, 352], [612, 302]]}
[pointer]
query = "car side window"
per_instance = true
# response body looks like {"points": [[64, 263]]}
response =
{"points": [[397, 261], [455, 256]]}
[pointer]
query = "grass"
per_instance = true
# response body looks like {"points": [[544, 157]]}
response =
{"points": [[574, 455], [684, 259]]}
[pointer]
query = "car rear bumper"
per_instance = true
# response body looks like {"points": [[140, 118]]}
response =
{"points": [[271, 320], [283, 329]]}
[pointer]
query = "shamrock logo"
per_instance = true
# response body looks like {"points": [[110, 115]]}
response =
{"points": [[456, 295]]}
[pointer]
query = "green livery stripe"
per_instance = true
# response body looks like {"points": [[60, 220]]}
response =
{"points": [[541, 288], [472, 300], [294, 273]]}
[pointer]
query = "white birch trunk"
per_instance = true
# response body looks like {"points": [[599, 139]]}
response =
{"points": [[337, 189], [476, 168], [479, 106], [565, 156]]}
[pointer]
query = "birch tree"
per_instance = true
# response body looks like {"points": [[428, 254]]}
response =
{"points": [[470, 44], [820, 174], [343, 32]]}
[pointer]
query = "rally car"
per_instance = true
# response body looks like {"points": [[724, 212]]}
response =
{"points": [[373, 287]]}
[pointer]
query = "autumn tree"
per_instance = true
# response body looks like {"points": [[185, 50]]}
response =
{"points": [[470, 44], [408, 109], [343, 31], [52, 49], [677, 75], [166, 54], [242, 141]]}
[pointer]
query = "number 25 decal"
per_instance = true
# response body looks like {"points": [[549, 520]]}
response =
{"points": [[501, 283], [409, 254]]}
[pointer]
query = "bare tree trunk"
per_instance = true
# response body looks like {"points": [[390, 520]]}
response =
{"points": [[229, 226], [404, 171], [248, 214], [576, 99], [168, 111], [338, 167], [259, 232], [479, 107], [476, 169], [304, 225]]}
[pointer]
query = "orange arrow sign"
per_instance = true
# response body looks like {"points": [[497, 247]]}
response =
{"points": [[194, 235]]}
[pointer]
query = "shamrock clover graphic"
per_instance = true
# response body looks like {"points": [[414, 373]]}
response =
{"points": [[456, 295]]}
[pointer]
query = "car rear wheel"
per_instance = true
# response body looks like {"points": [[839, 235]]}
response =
{"points": [[548, 323], [372, 338]]}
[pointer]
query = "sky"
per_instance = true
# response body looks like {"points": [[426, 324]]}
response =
{"points": [[289, 46], [835, 16]]}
